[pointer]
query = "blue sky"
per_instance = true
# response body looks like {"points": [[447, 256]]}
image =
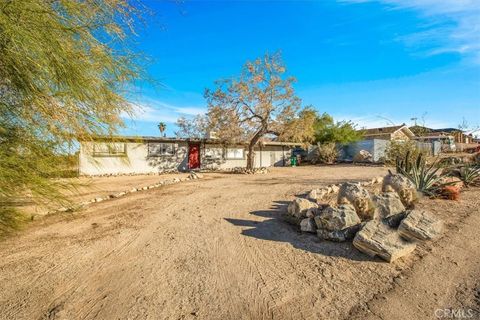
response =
{"points": [[372, 62]]}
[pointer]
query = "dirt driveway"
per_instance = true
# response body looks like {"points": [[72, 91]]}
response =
{"points": [[215, 249]]}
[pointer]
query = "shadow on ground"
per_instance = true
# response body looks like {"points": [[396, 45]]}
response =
{"points": [[274, 228]]}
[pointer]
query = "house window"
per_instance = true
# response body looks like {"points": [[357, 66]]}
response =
{"points": [[161, 149], [109, 149], [235, 153], [213, 153]]}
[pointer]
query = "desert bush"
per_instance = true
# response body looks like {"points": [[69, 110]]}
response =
{"points": [[401, 150], [470, 175], [427, 178], [327, 153]]}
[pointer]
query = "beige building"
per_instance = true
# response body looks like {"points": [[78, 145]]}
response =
{"points": [[401, 132], [141, 155]]}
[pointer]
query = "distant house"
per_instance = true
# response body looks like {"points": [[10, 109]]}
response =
{"points": [[141, 155], [457, 135], [375, 142], [401, 132]]}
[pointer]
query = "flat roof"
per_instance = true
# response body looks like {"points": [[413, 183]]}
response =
{"points": [[174, 139]]}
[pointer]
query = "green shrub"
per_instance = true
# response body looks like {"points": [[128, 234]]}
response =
{"points": [[400, 150]]}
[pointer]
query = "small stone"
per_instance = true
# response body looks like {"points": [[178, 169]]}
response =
{"points": [[419, 225], [308, 225], [98, 199]]}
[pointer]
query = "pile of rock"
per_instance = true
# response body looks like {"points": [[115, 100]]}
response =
{"points": [[243, 170], [380, 225], [160, 172]]}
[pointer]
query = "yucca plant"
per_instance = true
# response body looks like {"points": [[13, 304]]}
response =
{"points": [[470, 175], [426, 178]]}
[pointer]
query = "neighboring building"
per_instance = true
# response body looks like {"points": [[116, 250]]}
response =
{"points": [[401, 132], [457, 135], [377, 140], [140, 155]]}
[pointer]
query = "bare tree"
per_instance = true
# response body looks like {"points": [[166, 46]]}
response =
{"points": [[260, 102], [192, 128]]}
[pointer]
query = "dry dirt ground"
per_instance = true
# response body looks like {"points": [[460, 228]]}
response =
{"points": [[216, 249], [87, 188]]}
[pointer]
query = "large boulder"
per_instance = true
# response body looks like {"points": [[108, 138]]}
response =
{"points": [[336, 219], [363, 156], [389, 208], [356, 195], [317, 195], [299, 207], [308, 225], [405, 189], [378, 239], [419, 225]]}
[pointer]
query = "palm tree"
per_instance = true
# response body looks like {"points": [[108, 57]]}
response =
{"points": [[162, 126]]}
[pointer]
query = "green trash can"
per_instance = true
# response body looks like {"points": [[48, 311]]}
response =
{"points": [[293, 161]]}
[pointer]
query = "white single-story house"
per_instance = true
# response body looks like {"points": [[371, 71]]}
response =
{"points": [[142, 155]]}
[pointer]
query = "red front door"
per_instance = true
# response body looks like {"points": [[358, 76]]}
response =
{"points": [[194, 156]]}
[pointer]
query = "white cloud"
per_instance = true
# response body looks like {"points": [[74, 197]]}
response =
{"points": [[150, 110], [450, 25]]}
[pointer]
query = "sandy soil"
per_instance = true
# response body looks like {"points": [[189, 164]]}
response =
{"points": [[216, 249], [87, 188]]}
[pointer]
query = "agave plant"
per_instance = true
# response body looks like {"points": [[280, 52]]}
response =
{"points": [[426, 178], [470, 175]]}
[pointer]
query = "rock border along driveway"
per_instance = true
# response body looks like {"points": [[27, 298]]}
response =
{"points": [[77, 206]]}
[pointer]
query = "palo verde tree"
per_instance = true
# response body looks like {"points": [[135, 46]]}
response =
{"points": [[328, 131], [260, 102], [65, 66]]}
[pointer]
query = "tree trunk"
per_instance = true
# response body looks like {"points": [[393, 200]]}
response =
{"points": [[250, 156], [251, 146]]}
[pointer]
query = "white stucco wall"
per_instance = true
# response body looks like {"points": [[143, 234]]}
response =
{"points": [[137, 160]]}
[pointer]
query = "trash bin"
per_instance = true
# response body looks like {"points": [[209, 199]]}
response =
{"points": [[293, 161]]}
